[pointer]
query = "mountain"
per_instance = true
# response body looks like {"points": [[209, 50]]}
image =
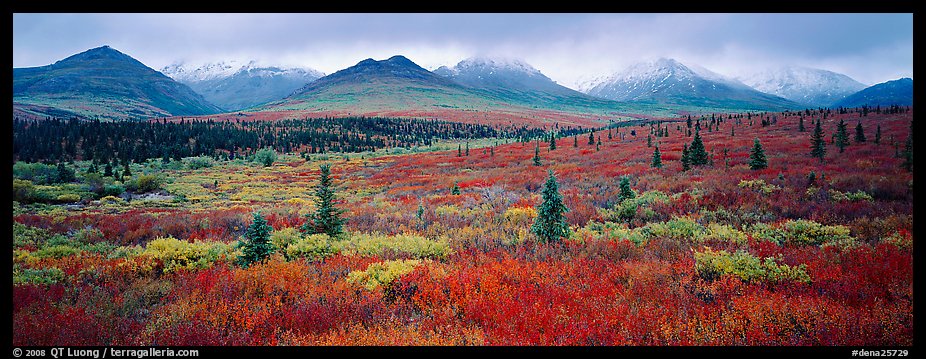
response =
{"points": [[896, 92], [807, 86], [396, 83], [671, 82], [506, 77], [233, 86], [103, 83]]}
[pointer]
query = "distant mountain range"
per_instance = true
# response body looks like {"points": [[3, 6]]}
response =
{"points": [[398, 83], [103, 83], [896, 92], [669, 81], [234, 86], [806, 86]]}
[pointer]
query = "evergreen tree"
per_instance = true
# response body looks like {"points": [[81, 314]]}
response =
{"points": [[108, 170], [908, 151], [878, 136], [649, 141], [327, 218], [697, 154], [657, 158], [552, 141], [626, 192], [126, 172], [537, 155], [550, 225], [842, 136], [467, 148], [859, 133], [256, 245], [686, 158], [732, 132], [591, 138], [65, 174], [455, 190], [575, 141], [757, 160], [817, 143], [459, 150], [492, 151], [800, 125], [811, 178]]}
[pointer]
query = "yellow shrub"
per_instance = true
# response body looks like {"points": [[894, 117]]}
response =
{"points": [[382, 273], [284, 237], [520, 215], [177, 254]]}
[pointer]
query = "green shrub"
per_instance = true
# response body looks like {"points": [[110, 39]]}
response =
{"points": [[639, 207], [312, 247], [711, 265], [195, 163], [759, 185], [145, 183], [802, 232], [23, 191], [266, 156], [382, 273], [413, 244], [88, 235], [725, 233], [284, 237], [25, 235], [68, 198], [38, 276], [56, 251]]}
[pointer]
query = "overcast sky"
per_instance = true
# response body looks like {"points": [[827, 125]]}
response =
{"points": [[870, 48]]}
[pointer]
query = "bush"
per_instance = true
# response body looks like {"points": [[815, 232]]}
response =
{"points": [[112, 190], [23, 191], [38, 276], [311, 247], [520, 215], [284, 237], [88, 235], [802, 232], [382, 273], [266, 157], [413, 244], [195, 163], [56, 251], [145, 183], [176, 254], [38, 173], [725, 233], [711, 265], [639, 207], [24, 235], [759, 185], [68, 198], [111, 200]]}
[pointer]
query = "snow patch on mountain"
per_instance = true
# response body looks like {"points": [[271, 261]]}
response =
{"points": [[805, 85]]}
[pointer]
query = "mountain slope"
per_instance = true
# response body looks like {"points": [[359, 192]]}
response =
{"points": [[669, 81], [807, 86], [896, 92], [517, 82], [396, 83], [232, 86], [103, 83]]}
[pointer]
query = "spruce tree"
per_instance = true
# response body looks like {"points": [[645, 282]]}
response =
{"points": [[575, 141], [657, 158], [550, 224], [626, 192], [908, 151], [859, 133], [455, 190], [649, 141], [817, 142], [757, 160], [459, 150], [256, 245], [108, 170], [552, 141], [842, 136], [800, 125], [811, 178], [697, 154], [467, 148], [591, 138], [537, 155], [878, 136], [686, 158], [327, 218]]}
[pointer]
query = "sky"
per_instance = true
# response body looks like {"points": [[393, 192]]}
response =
{"points": [[568, 48]]}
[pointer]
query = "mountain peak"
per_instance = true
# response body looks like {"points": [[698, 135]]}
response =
{"points": [[805, 85], [400, 60]]}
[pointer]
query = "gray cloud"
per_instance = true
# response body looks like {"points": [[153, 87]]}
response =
{"points": [[567, 47]]}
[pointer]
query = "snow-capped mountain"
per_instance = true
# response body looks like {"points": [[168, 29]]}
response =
{"points": [[896, 92], [234, 85], [808, 86], [507, 77], [669, 81]]}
